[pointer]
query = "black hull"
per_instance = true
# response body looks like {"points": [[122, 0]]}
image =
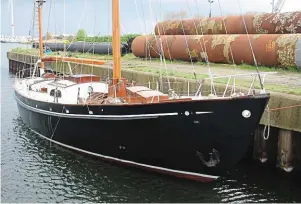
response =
{"points": [[167, 135]]}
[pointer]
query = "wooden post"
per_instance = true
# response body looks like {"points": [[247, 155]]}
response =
{"points": [[265, 150], [285, 150], [260, 146], [297, 156]]}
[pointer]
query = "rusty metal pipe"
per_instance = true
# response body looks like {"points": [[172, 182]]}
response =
{"points": [[263, 23], [270, 50]]}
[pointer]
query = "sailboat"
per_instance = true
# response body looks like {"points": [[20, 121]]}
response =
{"points": [[12, 38], [191, 137]]}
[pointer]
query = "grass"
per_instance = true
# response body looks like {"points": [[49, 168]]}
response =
{"points": [[240, 66], [28, 51], [123, 38], [239, 82], [268, 69]]}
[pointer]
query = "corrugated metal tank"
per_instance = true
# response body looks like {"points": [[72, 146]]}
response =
{"points": [[263, 23], [270, 50]]}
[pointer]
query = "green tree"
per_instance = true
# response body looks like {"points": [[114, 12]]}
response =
{"points": [[70, 38], [81, 35]]}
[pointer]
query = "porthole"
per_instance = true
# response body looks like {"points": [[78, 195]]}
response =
{"points": [[246, 114]]}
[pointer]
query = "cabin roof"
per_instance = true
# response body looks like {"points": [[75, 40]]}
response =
{"points": [[135, 89]]}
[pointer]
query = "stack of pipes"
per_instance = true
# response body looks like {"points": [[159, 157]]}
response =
{"points": [[274, 37]]}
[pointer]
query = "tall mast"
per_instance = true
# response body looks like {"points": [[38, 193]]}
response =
{"points": [[12, 18], [116, 40], [40, 5]]}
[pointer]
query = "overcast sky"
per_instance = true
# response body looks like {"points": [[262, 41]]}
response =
{"points": [[94, 15]]}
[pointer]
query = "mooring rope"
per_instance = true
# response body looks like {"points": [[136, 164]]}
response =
{"points": [[287, 107], [267, 127]]}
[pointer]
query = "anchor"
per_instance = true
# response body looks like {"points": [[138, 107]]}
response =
{"points": [[214, 158]]}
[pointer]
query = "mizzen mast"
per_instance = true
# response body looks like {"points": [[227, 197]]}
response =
{"points": [[40, 5], [116, 41]]}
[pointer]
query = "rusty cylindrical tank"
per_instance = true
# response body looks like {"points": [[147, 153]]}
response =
{"points": [[270, 50], [263, 23]]}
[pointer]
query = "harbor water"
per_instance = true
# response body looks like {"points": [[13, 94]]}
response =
{"points": [[34, 170]]}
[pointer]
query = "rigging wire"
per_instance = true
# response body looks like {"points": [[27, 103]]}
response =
{"points": [[194, 23], [138, 14], [87, 22], [48, 23], [161, 50], [31, 29], [168, 48], [187, 45], [141, 24], [212, 87], [79, 24], [251, 47], [167, 44], [55, 31], [31, 32], [93, 45], [157, 42], [230, 48], [145, 28], [202, 45], [149, 45]]}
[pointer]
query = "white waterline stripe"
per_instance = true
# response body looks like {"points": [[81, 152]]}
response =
{"points": [[200, 113], [105, 117], [126, 161]]}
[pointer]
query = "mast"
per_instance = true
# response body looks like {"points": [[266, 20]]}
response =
{"points": [[40, 5], [210, 2], [12, 18], [116, 40]]}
